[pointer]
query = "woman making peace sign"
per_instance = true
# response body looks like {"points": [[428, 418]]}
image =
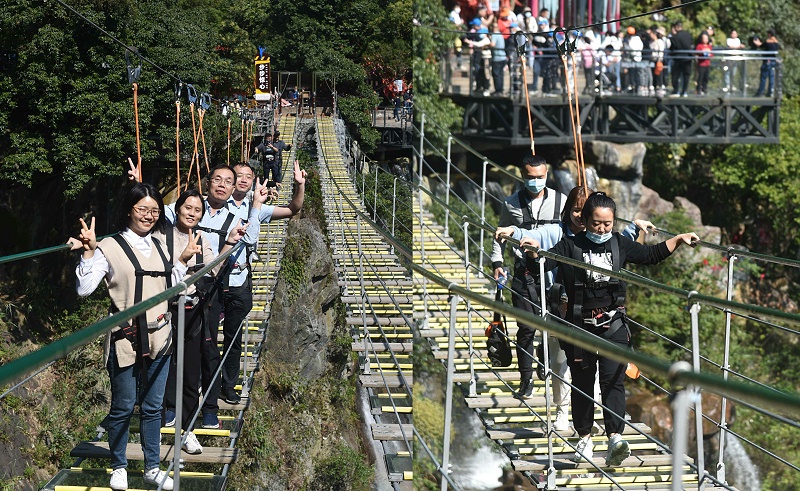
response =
{"points": [[135, 267]]}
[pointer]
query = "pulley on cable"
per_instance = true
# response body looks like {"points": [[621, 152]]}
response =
{"points": [[521, 41], [134, 72]]}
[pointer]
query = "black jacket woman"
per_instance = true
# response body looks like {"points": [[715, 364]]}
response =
{"points": [[597, 304]]}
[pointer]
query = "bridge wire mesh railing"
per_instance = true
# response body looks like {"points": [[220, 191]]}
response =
{"points": [[729, 250]]}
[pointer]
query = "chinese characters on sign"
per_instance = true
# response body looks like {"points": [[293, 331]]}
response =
{"points": [[262, 76]]}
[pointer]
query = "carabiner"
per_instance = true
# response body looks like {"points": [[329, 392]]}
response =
{"points": [[133, 72], [520, 40], [178, 91], [571, 39], [205, 101], [192, 93], [561, 47]]}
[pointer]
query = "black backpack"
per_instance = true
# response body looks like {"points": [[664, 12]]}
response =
{"points": [[497, 344]]}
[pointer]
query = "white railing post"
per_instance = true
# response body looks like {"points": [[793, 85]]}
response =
{"points": [[548, 385], [448, 402], [694, 310], [375, 198], [473, 389], [723, 423], [447, 188], [363, 297], [680, 434], [180, 353], [483, 213]]}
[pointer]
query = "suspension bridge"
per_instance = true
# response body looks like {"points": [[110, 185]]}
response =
{"points": [[445, 303]]}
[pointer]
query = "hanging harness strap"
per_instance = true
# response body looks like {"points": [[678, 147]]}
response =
{"points": [[222, 233], [137, 333], [606, 311]]}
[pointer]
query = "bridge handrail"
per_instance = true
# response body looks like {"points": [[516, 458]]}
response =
{"points": [[41, 252], [62, 347]]}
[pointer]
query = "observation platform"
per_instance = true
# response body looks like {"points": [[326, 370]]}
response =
{"points": [[729, 111]]}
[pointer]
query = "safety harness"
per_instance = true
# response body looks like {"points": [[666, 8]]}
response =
{"points": [[605, 311], [137, 331], [193, 300], [528, 223]]}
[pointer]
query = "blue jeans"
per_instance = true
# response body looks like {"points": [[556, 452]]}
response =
{"points": [[767, 73], [124, 384]]}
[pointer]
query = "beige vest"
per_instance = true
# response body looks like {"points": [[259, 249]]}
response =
{"points": [[121, 289]]}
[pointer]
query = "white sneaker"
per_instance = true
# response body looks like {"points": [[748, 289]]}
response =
{"points": [[191, 445], [156, 476], [119, 479], [618, 450], [584, 449], [562, 419]]}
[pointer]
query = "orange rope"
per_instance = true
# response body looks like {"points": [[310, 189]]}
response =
{"points": [[195, 155], [178, 144], [528, 101], [578, 132], [241, 154], [201, 113], [578, 172], [136, 119]]}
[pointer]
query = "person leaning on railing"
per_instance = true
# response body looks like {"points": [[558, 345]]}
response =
{"points": [[596, 303], [769, 63]]}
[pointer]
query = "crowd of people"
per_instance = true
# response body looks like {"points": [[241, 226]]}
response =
{"points": [[578, 226], [634, 60], [158, 246]]}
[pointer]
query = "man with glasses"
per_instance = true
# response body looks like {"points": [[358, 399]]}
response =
{"points": [[238, 298]]}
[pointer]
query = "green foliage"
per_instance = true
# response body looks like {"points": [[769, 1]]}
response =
{"points": [[344, 470], [401, 215], [293, 266], [429, 46], [312, 203]]}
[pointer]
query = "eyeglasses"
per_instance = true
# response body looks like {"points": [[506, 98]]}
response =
{"points": [[226, 182], [144, 211]]}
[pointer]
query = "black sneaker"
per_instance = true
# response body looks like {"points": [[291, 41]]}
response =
{"points": [[525, 389], [231, 397]]}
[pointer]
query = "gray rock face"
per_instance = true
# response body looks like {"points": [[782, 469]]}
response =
{"points": [[302, 319]]}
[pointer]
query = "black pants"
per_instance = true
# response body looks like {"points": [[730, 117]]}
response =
{"points": [[192, 357], [521, 299], [497, 74], [210, 351], [681, 73], [273, 166], [237, 302], [612, 384], [702, 78]]}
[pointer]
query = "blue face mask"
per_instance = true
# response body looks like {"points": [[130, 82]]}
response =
{"points": [[597, 238], [535, 185]]}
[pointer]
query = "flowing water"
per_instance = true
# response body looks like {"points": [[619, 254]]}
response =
{"points": [[739, 469]]}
